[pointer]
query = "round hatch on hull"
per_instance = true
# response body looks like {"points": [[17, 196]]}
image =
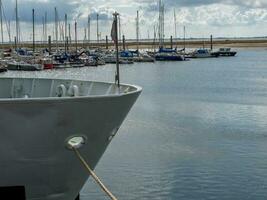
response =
{"points": [[76, 142]]}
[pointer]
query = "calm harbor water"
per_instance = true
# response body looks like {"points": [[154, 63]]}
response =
{"points": [[199, 130]]}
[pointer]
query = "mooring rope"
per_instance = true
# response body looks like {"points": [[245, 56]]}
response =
{"points": [[91, 172]]}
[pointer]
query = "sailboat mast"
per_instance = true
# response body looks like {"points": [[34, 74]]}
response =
{"points": [[85, 36], [159, 29], [17, 23], [161, 24], [97, 28], [89, 29], [184, 40], [9, 34], [119, 18], [45, 31], [56, 27], [175, 24], [43, 21], [76, 40], [66, 29], [33, 31], [137, 30], [154, 39], [69, 35], [1, 18]]}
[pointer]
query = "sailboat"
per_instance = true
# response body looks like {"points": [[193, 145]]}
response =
{"points": [[165, 54]]}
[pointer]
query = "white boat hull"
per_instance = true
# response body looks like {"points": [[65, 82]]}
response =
{"points": [[34, 133]]}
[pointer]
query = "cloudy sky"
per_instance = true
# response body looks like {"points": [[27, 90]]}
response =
{"points": [[222, 18]]}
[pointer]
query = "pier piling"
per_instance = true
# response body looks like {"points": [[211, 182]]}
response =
{"points": [[76, 39], [33, 31], [67, 44], [171, 42], [49, 44], [123, 42], [211, 42], [106, 42], [15, 42]]}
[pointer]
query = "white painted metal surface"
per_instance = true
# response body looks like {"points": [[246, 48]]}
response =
{"points": [[37, 121]]}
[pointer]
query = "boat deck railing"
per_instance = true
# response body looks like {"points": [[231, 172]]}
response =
{"points": [[16, 88]]}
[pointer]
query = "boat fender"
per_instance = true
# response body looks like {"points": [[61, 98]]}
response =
{"points": [[61, 90], [74, 91]]}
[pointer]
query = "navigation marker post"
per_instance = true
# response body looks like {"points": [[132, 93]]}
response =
{"points": [[114, 36]]}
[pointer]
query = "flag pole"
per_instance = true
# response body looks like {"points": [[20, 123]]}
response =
{"points": [[114, 36]]}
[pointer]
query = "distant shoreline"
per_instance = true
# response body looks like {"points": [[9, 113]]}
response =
{"points": [[232, 43], [131, 44]]}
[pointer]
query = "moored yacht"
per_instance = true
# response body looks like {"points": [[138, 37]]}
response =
{"points": [[136, 56], [47, 62], [24, 66], [165, 54], [204, 53], [226, 52], [111, 59]]}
